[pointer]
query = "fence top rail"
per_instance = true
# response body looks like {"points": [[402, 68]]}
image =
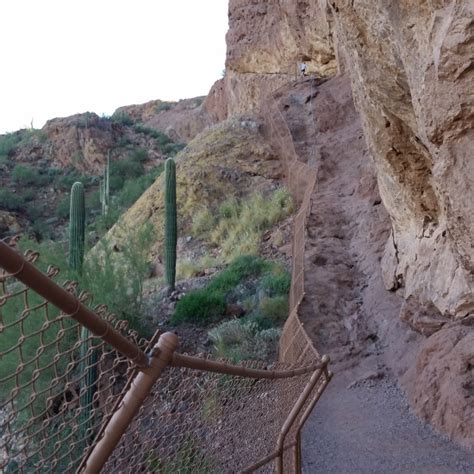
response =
{"points": [[17, 266], [189, 362]]}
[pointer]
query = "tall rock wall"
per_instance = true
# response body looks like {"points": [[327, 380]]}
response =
{"points": [[412, 74]]}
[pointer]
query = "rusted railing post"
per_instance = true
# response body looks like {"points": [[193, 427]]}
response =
{"points": [[295, 412], [131, 403], [305, 416]]}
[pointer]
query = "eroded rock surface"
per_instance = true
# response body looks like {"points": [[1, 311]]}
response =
{"points": [[412, 73]]}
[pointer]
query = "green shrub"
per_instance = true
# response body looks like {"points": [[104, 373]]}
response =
{"points": [[34, 210], [172, 149], [125, 169], [237, 341], [115, 278], [93, 200], [62, 208], [105, 222], [68, 177], [201, 307], [28, 176], [277, 283], [122, 118], [162, 106], [275, 309], [207, 305], [8, 143], [242, 267], [10, 201], [166, 144], [140, 155]]}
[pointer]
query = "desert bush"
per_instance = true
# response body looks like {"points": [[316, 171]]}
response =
{"points": [[272, 311], [200, 306], [10, 201], [115, 278], [62, 208], [162, 106], [68, 177], [208, 304], [277, 283], [237, 341], [133, 188], [8, 143], [166, 144], [25, 175], [122, 118]]}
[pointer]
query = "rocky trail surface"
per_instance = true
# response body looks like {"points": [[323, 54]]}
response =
{"points": [[363, 422]]}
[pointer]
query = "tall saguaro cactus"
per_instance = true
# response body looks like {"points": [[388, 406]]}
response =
{"points": [[171, 226], [77, 227], [105, 187], [88, 357]]}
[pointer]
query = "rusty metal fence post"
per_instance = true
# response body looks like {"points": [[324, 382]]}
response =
{"points": [[132, 401]]}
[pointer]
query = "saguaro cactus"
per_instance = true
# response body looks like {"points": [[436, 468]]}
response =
{"points": [[171, 226], [105, 187], [77, 227], [88, 359]]}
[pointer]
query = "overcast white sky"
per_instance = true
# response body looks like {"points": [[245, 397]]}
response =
{"points": [[60, 57]]}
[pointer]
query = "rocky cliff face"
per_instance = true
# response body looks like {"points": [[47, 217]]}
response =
{"points": [[265, 42], [412, 77]]}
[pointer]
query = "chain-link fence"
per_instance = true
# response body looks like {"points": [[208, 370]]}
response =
{"points": [[58, 385], [68, 401], [72, 401], [295, 344]]}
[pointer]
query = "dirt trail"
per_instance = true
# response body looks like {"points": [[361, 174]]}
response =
{"points": [[347, 311]]}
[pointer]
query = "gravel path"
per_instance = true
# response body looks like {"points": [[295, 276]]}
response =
{"points": [[369, 429]]}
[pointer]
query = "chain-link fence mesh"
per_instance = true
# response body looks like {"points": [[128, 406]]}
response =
{"points": [[295, 344], [57, 384], [197, 421]]}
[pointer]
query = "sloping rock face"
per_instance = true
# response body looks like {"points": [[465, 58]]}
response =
{"points": [[229, 159], [80, 140]]}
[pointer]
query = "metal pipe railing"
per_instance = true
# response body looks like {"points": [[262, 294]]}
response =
{"points": [[295, 412], [16, 265], [189, 362], [131, 403]]}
